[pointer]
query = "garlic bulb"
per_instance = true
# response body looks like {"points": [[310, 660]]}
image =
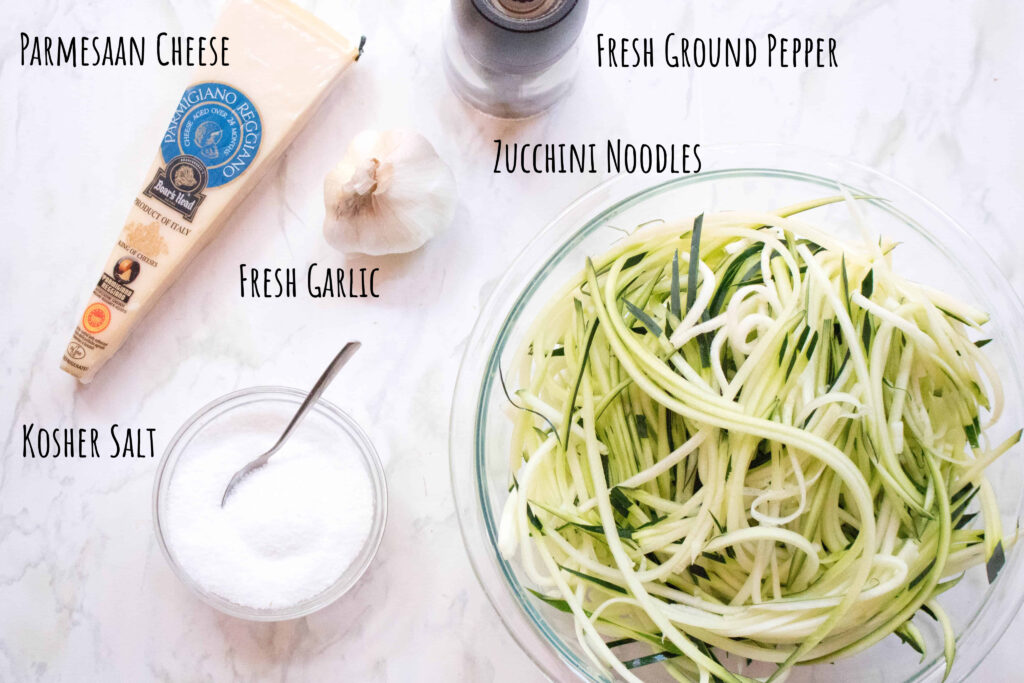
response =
{"points": [[389, 194]]}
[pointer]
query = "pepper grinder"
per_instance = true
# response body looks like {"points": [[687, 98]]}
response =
{"points": [[512, 58]]}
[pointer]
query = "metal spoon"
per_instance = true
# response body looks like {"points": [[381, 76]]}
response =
{"points": [[314, 394]]}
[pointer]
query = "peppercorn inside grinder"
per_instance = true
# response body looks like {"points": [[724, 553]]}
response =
{"points": [[512, 58]]}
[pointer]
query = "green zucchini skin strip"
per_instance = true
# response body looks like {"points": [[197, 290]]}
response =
{"points": [[780, 463]]}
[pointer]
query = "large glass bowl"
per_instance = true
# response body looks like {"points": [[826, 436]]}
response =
{"points": [[934, 250]]}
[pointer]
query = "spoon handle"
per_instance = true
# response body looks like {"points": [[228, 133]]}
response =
{"points": [[314, 394]]}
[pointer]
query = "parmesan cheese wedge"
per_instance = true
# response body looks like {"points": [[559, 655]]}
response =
{"points": [[227, 130]]}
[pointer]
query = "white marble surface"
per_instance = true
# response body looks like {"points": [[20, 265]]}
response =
{"points": [[928, 91]]}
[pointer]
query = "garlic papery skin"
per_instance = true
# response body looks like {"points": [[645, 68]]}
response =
{"points": [[389, 194]]}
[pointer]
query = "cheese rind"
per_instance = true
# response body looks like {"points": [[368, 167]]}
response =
{"points": [[228, 129]]}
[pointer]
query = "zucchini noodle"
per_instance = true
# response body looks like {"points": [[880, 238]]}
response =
{"points": [[741, 438]]}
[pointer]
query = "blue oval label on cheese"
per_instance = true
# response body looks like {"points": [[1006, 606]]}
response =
{"points": [[217, 125]]}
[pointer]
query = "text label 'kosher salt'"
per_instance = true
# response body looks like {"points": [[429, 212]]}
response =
{"points": [[58, 443]]}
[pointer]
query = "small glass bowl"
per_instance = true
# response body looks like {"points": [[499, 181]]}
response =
{"points": [[286, 400]]}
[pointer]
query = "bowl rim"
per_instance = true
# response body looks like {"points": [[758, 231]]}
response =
{"points": [[341, 420], [470, 500]]}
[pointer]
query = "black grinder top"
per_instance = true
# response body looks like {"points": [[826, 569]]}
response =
{"points": [[518, 36]]}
